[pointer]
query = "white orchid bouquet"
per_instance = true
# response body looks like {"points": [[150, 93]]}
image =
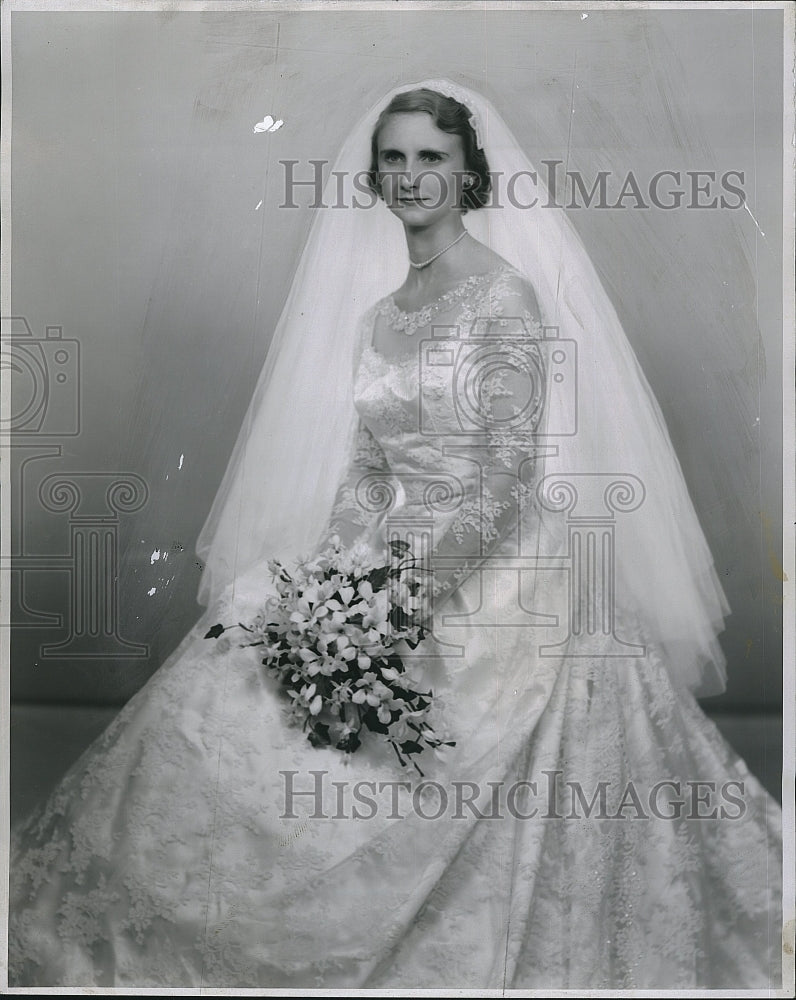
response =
{"points": [[332, 638]]}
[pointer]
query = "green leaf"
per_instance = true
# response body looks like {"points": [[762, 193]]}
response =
{"points": [[350, 743], [319, 735], [378, 577], [371, 720], [401, 694], [395, 661]]}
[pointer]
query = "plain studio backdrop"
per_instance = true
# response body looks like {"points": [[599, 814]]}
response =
{"points": [[146, 225]]}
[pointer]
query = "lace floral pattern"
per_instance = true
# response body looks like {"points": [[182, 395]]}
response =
{"points": [[479, 515], [474, 436], [351, 518], [410, 322], [202, 842]]}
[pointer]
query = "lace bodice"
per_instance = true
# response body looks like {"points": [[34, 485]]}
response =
{"points": [[165, 857], [465, 295], [438, 443]]}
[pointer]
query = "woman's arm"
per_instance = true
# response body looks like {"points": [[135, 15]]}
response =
{"points": [[350, 521], [504, 456], [500, 460]]}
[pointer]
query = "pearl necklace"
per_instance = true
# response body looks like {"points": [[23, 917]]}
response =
{"points": [[425, 263]]}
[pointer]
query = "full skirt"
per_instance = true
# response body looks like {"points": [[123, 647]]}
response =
{"points": [[590, 829]]}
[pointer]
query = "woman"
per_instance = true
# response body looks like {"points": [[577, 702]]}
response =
{"points": [[589, 828]]}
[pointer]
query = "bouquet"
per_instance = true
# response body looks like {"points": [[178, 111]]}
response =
{"points": [[330, 637]]}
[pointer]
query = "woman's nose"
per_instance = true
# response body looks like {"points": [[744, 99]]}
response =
{"points": [[408, 176]]}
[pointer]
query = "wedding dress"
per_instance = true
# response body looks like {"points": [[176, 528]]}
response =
{"points": [[202, 841]]}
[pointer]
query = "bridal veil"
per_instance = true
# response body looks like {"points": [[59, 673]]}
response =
{"points": [[607, 429]]}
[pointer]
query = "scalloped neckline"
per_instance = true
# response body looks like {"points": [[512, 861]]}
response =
{"points": [[450, 293]]}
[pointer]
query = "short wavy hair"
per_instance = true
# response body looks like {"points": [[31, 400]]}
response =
{"points": [[449, 116]]}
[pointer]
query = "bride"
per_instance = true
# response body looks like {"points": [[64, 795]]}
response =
{"points": [[589, 828]]}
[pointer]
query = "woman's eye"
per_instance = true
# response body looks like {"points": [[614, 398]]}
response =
{"points": [[431, 157], [390, 157]]}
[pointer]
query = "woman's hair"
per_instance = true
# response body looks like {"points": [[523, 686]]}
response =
{"points": [[449, 116]]}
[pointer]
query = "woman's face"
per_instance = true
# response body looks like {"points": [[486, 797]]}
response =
{"points": [[420, 167]]}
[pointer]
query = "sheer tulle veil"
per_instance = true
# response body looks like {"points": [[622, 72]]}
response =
{"points": [[297, 437]]}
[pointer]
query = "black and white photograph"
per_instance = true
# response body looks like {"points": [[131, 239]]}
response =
{"points": [[397, 568]]}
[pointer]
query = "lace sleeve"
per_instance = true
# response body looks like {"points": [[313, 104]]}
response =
{"points": [[350, 521], [508, 392]]}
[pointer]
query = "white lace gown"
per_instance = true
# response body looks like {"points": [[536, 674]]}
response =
{"points": [[172, 853]]}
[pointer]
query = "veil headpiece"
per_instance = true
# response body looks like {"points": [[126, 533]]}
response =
{"points": [[297, 437], [448, 89]]}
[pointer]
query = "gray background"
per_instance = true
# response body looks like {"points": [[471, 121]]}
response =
{"points": [[135, 181]]}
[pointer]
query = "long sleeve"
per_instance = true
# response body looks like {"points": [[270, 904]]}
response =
{"points": [[506, 393], [455, 473], [350, 520]]}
